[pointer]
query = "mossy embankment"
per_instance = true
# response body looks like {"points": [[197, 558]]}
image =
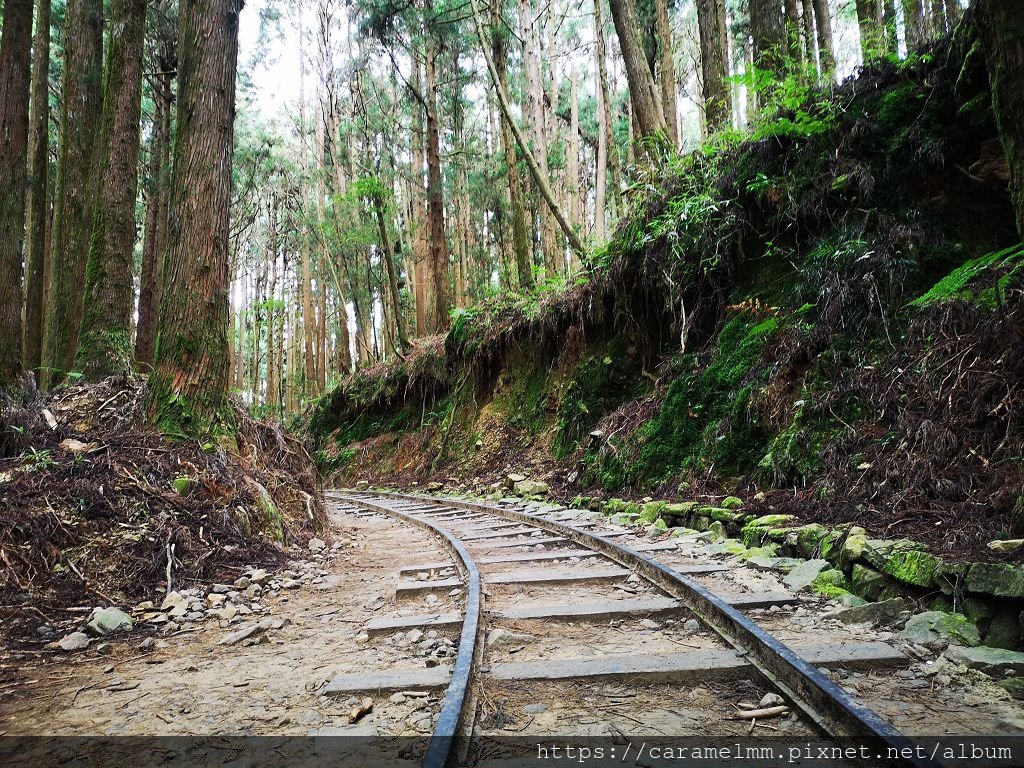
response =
{"points": [[830, 305]]}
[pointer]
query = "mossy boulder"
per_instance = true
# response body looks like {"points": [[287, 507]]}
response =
{"points": [[999, 579], [767, 528], [935, 629], [866, 582], [731, 503], [623, 518], [651, 511], [614, 506], [681, 509], [1004, 629], [808, 539], [950, 577], [995, 662], [909, 564], [830, 583], [727, 547], [806, 573], [680, 532], [721, 514], [1014, 686], [183, 485], [853, 548]]}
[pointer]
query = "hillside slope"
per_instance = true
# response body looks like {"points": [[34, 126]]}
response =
{"points": [[830, 306]]}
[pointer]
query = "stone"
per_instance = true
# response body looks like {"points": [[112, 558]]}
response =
{"points": [[398, 698], [144, 607], [75, 446], [173, 600], [731, 503], [999, 579], [937, 629], [76, 641], [1014, 686], [215, 601], [649, 624], [259, 577], [317, 545], [909, 564], [530, 488], [803, 575], [498, 637], [996, 662], [242, 582], [291, 584], [103, 621], [1006, 545], [244, 633], [434, 486], [512, 478], [147, 644], [362, 485], [867, 582], [1004, 630], [771, 700], [414, 635], [220, 589], [227, 613], [873, 613], [651, 510], [691, 625], [534, 709]]}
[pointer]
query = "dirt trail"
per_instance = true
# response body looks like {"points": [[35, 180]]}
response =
{"points": [[190, 683]]}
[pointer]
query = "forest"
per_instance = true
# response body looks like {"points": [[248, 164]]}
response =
{"points": [[432, 157]]}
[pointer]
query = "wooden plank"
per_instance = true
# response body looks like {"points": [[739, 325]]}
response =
{"points": [[385, 625]]}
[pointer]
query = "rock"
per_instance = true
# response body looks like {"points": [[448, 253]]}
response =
{"points": [[1000, 579], [909, 564], [691, 625], [147, 644], [242, 582], [290, 584], [144, 607], [771, 700], [781, 564], [1014, 686], [497, 637], [75, 446], [803, 575], [215, 601], [867, 582], [434, 486], [937, 629], [362, 485], [534, 709], [530, 488], [183, 484], [731, 503], [398, 698], [512, 478], [172, 601], [227, 613], [244, 633], [1006, 545], [649, 624], [103, 621], [996, 662], [317, 545], [872, 613], [259, 577], [431, 599], [414, 635], [76, 641], [220, 589]]}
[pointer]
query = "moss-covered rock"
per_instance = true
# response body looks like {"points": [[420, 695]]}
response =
{"points": [[681, 509], [731, 503], [830, 583], [999, 579], [614, 506], [909, 564], [852, 549], [805, 574], [867, 582], [721, 514], [938, 629], [949, 577], [183, 485], [809, 537], [727, 547], [650, 511], [623, 518]]}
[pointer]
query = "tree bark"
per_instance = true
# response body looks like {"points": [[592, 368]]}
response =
{"points": [[872, 32], [666, 70], [389, 263], [542, 183], [792, 17], [609, 165], [643, 94], [572, 164], [914, 24], [810, 42], [82, 102], [437, 315], [768, 32], [521, 249], [188, 388], [714, 64], [105, 342], [37, 192], [826, 54], [157, 202], [15, 73], [1001, 25]]}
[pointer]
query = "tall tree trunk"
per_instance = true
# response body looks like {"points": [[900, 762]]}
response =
{"points": [[535, 120], [188, 388], [82, 103], [914, 24], [892, 43], [15, 73], [306, 239], [611, 152], [768, 32], [520, 238], [714, 64], [810, 39], [105, 343], [792, 16], [823, 22], [37, 192], [1001, 24], [643, 94], [539, 178], [666, 70], [437, 315], [389, 263], [872, 32], [572, 164], [157, 202]]}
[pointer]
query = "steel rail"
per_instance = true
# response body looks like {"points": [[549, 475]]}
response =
{"points": [[451, 718], [823, 702]]}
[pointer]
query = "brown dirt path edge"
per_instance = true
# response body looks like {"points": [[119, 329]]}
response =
{"points": [[194, 685]]}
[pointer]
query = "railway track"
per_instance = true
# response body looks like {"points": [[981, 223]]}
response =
{"points": [[522, 584]]}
